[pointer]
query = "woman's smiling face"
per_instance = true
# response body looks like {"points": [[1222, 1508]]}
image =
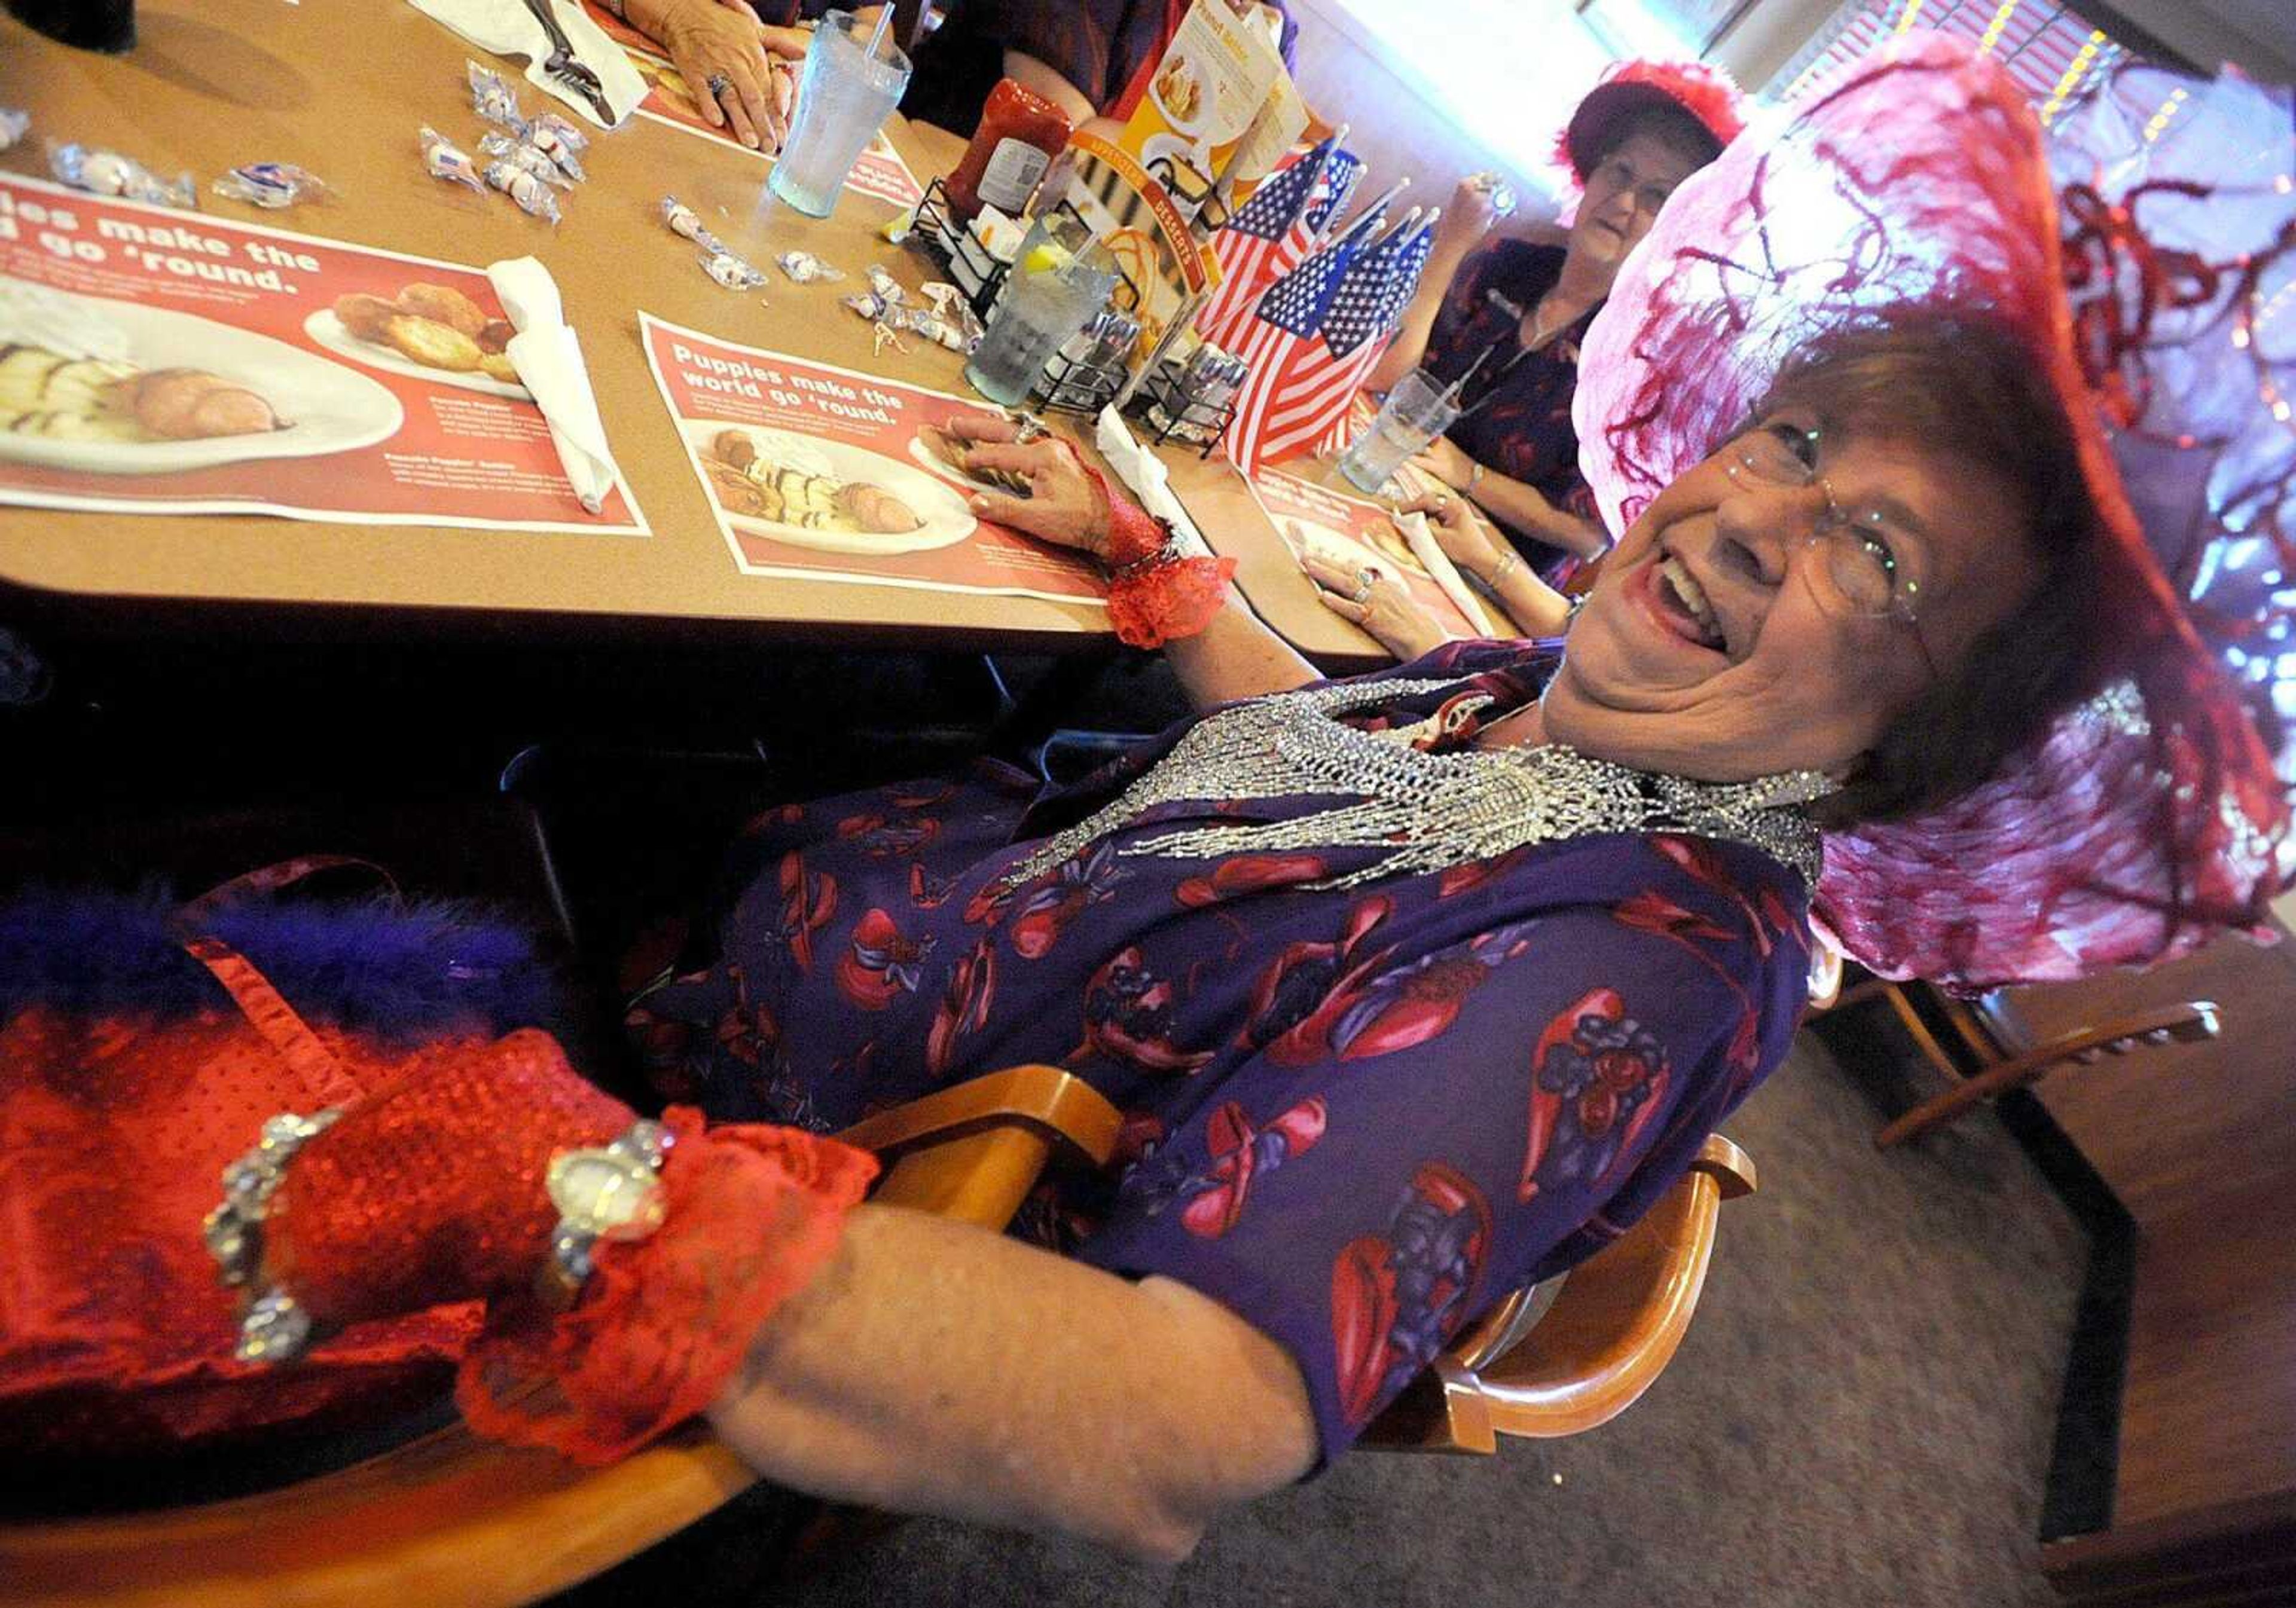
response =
{"points": [[1721, 641]]}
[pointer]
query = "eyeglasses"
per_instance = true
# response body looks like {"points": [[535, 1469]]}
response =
{"points": [[1860, 551], [1617, 175]]}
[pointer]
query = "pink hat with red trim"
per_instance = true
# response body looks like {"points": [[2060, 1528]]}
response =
{"points": [[2153, 274], [1632, 89]]}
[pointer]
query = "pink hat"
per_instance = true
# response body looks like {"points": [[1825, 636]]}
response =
{"points": [[2154, 277]]}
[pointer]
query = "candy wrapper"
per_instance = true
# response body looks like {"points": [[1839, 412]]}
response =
{"points": [[108, 173], [555, 134], [949, 302], [730, 271], [442, 159], [563, 144], [532, 194], [866, 304], [270, 184], [502, 147], [682, 219], [13, 126], [493, 99], [933, 327], [888, 289], [806, 268], [895, 229]]}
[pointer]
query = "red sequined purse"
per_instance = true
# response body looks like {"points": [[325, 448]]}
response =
{"points": [[115, 1335]]}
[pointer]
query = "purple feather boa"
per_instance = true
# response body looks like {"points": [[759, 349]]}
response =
{"points": [[405, 973]]}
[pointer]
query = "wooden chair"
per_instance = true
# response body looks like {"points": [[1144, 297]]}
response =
{"points": [[450, 1517], [1982, 1056], [1546, 1363]]}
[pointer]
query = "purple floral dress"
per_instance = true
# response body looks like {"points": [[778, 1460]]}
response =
{"points": [[1357, 1117]]}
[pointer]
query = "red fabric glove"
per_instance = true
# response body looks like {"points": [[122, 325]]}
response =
{"points": [[1154, 596]]}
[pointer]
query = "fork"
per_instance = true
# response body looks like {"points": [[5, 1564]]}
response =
{"points": [[564, 64]]}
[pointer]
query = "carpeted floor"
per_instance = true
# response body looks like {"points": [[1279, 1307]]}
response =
{"points": [[1861, 1416]]}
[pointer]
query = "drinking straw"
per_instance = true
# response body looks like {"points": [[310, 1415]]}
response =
{"points": [[884, 16]]}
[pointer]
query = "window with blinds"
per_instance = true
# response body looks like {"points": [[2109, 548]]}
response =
{"points": [[2050, 49]]}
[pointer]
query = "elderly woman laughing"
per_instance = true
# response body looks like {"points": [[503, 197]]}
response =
{"points": [[1416, 987]]}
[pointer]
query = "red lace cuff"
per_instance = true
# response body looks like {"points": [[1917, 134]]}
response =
{"points": [[1155, 594], [662, 1323]]}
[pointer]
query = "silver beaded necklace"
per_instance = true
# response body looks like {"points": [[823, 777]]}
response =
{"points": [[1428, 812]]}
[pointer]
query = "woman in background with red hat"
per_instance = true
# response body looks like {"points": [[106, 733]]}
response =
{"points": [[1514, 313]]}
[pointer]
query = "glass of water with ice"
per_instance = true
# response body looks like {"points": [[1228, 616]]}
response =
{"points": [[1062, 277], [1419, 409], [844, 97]]}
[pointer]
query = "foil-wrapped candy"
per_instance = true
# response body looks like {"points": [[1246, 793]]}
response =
{"points": [[952, 305], [273, 184], [502, 147], [442, 159], [934, 327], [493, 99], [108, 173], [888, 289], [563, 144], [867, 304], [684, 220], [806, 268], [554, 134], [13, 126], [532, 194], [730, 271]]}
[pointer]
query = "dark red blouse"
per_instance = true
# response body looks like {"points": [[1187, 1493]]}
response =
{"points": [[1516, 417]]}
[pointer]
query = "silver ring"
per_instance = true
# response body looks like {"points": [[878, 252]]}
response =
{"points": [[1366, 579], [717, 84]]}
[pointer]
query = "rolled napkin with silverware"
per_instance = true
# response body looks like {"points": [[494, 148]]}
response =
{"points": [[549, 363], [568, 55]]}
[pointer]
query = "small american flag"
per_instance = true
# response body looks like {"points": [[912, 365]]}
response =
{"points": [[1306, 409], [1359, 329], [1284, 332], [1272, 232]]}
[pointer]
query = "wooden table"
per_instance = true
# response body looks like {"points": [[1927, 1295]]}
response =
{"points": [[340, 88]]}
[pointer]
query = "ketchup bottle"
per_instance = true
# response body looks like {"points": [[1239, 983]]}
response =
{"points": [[1020, 132]]}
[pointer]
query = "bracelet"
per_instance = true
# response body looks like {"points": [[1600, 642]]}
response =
{"points": [[1506, 566], [1474, 479], [274, 1327], [1159, 590], [611, 1194]]}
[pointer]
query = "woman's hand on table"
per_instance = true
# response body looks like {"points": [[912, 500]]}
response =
{"points": [[1065, 505], [1465, 540], [1446, 462], [706, 39], [1378, 604]]}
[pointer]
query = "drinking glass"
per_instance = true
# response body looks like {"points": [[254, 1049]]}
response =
{"points": [[843, 98], [1062, 277], [1418, 409]]}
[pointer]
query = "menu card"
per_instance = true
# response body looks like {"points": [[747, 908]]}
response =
{"points": [[818, 471], [154, 361], [1354, 533]]}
